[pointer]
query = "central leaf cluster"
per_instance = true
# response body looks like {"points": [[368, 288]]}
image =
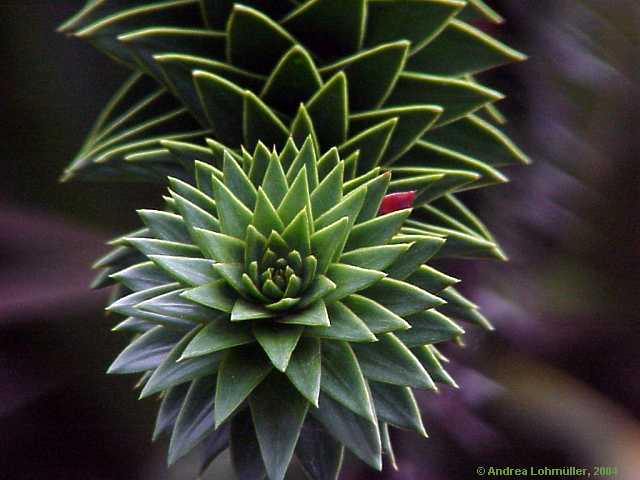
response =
{"points": [[274, 277]]}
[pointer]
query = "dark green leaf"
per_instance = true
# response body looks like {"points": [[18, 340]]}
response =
{"points": [[345, 325], [170, 409], [217, 336], [372, 144], [278, 341], [146, 352], [359, 435], [278, 412], [329, 109], [418, 22], [318, 452], [462, 49], [350, 279], [400, 297], [377, 318], [429, 327], [377, 231], [191, 271], [165, 225], [171, 372], [236, 179], [293, 81], [457, 97], [375, 258], [396, 405], [242, 370], [329, 34], [250, 31], [314, 315], [195, 421], [142, 276], [222, 102], [245, 451], [389, 361], [342, 379], [261, 124], [304, 368], [371, 74]]}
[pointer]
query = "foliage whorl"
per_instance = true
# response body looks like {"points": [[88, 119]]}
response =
{"points": [[275, 285]]}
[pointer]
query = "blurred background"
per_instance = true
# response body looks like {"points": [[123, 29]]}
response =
{"points": [[555, 385]]}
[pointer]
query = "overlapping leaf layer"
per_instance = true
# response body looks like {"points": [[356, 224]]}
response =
{"points": [[275, 308], [276, 311], [393, 79]]}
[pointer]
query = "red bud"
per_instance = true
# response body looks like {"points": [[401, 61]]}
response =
{"points": [[396, 201]]}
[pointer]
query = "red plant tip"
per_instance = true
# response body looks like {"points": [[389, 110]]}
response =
{"points": [[396, 201]]}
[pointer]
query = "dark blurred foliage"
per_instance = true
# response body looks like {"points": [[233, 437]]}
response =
{"points": [[556, 384]]}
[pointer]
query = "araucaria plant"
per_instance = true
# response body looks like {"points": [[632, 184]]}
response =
{"points": [[281, 301]]}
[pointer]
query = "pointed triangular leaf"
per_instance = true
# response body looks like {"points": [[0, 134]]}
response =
{"points": [[296, 199], [245, 451], [250, 31], [345, 326], [170, 409], [278, 342], [234, 216], [261, 124], [457, 97], [350, 279], [325, 243], [171, 372], [400, 297], [329, 34], [146, 352], [329, 110], [477, 138], [372, 145], [217, 336], [293, 81], [304, 368], [429, 327], [242, 370], [377, 318], [318, 452], [390, 361], [195, 421], [165, 225], [237, 181], [172, 304], [422, 249], [377, 231], [396, 405], [216, 294], [313, 316], [342, 379], [418, 22], [220, 247], [222, 102], [443, 56], [275, 182], [142, 276], [192, 271], [374, 258], [278, 412], [432, 365], [413, 122], [359, 435], [265, 217], [371, 74]]}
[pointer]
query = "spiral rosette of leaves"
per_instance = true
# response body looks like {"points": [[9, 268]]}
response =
{"points": [[277, 313], [392, 79]]}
